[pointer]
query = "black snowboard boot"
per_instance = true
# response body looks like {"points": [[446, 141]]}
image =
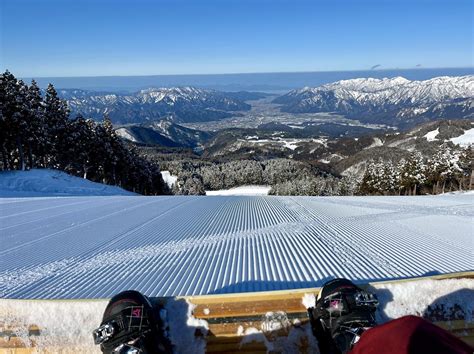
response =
{"points": [[341, 314], [131, 325]]}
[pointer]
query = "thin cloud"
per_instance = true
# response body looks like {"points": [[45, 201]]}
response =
{"points": [[418, 65]]}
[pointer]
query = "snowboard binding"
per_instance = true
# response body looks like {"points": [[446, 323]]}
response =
{"points": [[341, 314], [130, 326]]}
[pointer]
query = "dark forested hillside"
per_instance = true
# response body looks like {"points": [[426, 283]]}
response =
{"points": [[37, 132]]}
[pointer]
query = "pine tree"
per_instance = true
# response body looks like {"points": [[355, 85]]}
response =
{"points": [[371, 181], [413, 173], [111, 143], [390, 178], [15, 119], [443, 169], [466, 174], [3, 122], [36, 138], [56, 115]]}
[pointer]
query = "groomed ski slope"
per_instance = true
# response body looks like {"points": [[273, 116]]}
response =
{"points": [[94, 247]]}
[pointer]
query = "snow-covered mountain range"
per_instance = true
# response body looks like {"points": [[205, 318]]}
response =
{"points": [[389, 100], [183, 104]]}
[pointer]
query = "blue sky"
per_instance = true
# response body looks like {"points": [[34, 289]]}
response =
{"points": [[145, 37]]}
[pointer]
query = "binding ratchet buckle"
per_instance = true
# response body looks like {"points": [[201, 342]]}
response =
{"points": [[104, 332], [363, 298]]}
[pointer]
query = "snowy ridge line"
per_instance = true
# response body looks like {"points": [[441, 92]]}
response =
{"points": [[166, 246], [382, 95]]}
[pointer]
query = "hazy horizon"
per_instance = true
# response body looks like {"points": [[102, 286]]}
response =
{"points": [[266, 82], [258, 72]]}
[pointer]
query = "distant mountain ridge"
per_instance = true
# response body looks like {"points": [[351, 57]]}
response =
{"points": [[164, 133], [395, 101], [181, 104]]}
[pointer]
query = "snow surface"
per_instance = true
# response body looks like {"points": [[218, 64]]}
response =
{"points": [[65, 323], [431, 136], [291, 144], [376, 142], [46, 183], [465, 139], [81, 247], [124, 133], [169, 179], [182, 327], [413, 298], [242, 190]]}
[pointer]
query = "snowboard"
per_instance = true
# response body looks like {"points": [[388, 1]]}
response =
{"points": [[274, 321]]}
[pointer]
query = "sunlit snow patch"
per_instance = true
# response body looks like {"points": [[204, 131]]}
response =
{"points": [[254, 335], [63, 323], [465, 139], [242, 190], [377, 142], [309, 300], [183, 326], [123, 133], [431, 136], [169, 179], [46, 182]]}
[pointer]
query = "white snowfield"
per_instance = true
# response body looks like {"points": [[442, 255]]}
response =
{"points": [[242, 190], [168, 178], [431, 135], [47, 183], [465, 139], [122, 132], [94, 247]]}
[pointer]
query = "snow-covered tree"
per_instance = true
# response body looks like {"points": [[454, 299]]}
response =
{"points": [[56, 114], [189, 184], [373, 179], [36, 137], [15, 116], [412, 173], [465, 163]]}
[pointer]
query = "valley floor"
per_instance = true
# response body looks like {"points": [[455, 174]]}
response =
{"points": [[94, 247]]}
